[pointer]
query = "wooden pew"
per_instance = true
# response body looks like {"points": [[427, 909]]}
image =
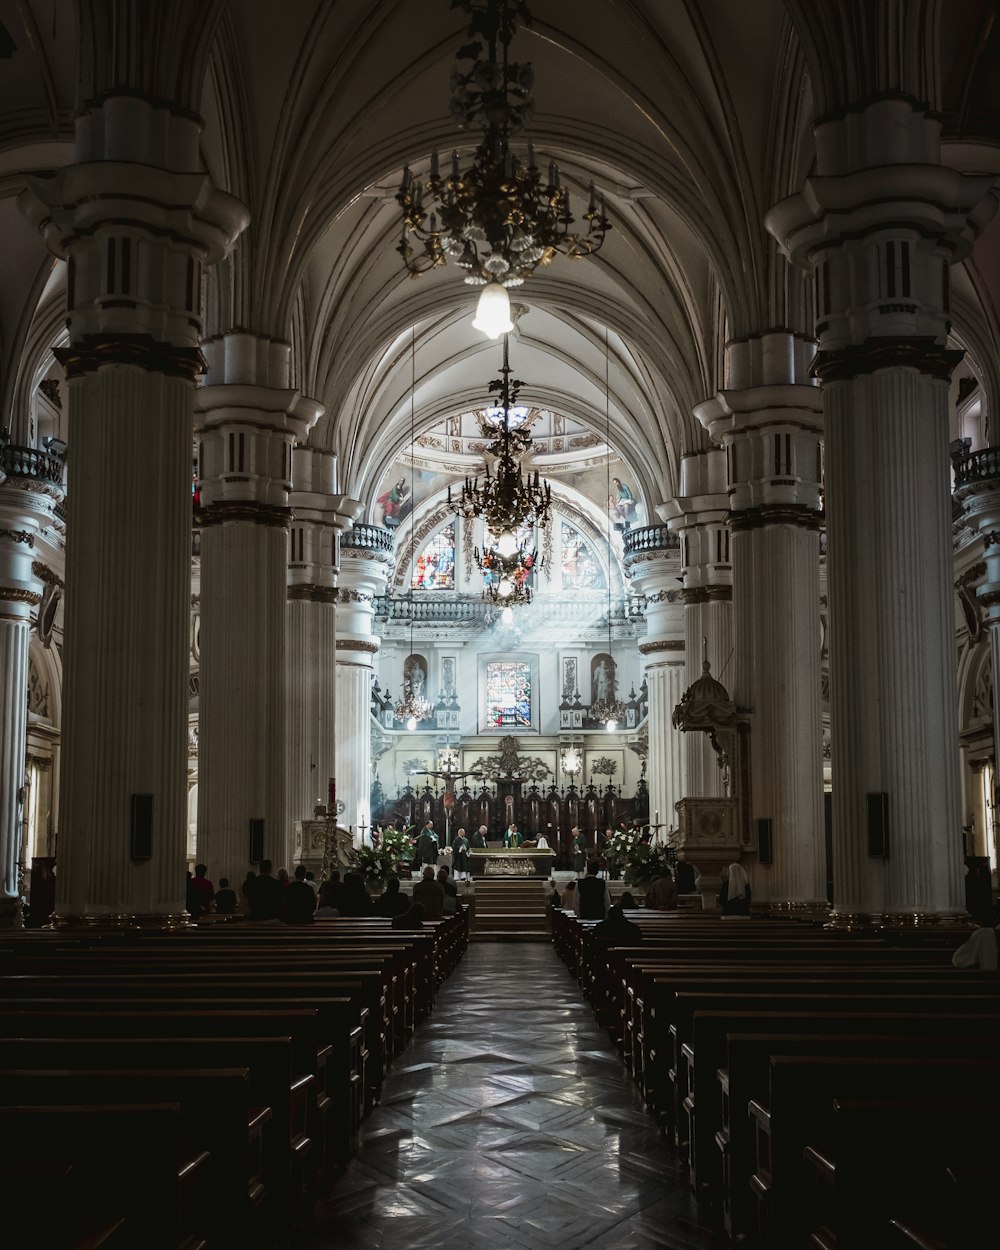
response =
{"points": [[131, 1160], [798, 1113], [216, 1114]]}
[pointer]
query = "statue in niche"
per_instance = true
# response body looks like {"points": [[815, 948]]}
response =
{"points": [[415, 673], [602, 677]]}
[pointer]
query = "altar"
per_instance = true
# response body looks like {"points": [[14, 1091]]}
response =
{"points": [[512, 862]]}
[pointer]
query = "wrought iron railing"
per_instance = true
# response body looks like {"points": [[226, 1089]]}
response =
{"points": [[651, 538], [369, 537], [30, 462], [980, 466]]}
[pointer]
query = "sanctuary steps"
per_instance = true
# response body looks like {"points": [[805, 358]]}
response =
{"points": [[510, 910]]}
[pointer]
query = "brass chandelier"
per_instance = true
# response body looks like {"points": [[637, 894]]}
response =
{"points": [[508, 498], [501, 217]]}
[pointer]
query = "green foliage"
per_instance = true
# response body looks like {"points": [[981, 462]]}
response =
{"points": [[378, 863], [640, 862]]}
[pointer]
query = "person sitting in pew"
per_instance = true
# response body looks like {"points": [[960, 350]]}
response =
{"points": [[628, 901], [615, 928], [569, 897], [200, 891], [429, 893], [354, 898], [980, 951], [555, 898], [662, 894], [300, 901], [452, 903], [327, 908], [264, 894], [593, 893], [734, 897], [412, 918], [225, 898], [392, 902]]}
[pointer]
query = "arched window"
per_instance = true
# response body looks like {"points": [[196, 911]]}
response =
{"points": [[435, 569]]}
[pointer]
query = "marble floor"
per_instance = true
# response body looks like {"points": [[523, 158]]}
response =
{"points": [[509, 1122]]}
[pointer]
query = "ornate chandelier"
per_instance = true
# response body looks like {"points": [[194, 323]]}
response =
{"points": [[508, 498], [507, 576], [501, 217], [610, 710], [412, 708]]}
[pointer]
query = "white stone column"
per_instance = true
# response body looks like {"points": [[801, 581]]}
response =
{"points": [[248, 420], [30, 486], [768, 417], [320, 515], [652, 564], [365, 562], [880, 222], [136, 219], [698, 518]]}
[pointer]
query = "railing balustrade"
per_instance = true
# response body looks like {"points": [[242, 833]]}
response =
{"points": [[369, 537], [30, 462], [980, 466], [650, 538]]}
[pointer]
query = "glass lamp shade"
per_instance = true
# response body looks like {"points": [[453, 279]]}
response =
{"points": [[493, 312]]}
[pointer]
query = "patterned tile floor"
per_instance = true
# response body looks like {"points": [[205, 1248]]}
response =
{"points": [[509, 1122]]}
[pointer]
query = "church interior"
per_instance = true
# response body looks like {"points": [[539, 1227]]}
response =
{"points": [[565, 431]]}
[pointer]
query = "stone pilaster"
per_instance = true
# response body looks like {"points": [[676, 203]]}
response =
{"points": [[654, 570], [248, 420], [768, 418], [880, 222], [135, 237], [698, 518], [30, 486], [365, 563], [320, 516]]}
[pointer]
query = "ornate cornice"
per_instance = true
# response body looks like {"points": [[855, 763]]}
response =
{"points": [[665, 644], [663, 596], [141, 350], [800, 515], [354, 644], [227, 510], [312, 593], [923, 354], [707, 594]]}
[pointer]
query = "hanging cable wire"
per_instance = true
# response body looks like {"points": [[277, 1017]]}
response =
{"points": [[608, 708]]}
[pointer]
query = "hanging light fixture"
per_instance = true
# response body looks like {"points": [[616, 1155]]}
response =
{"points": [[501, 217], [508, 498], [413, 707], [609, 710]]}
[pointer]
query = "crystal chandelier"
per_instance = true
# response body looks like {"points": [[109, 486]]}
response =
{"points": [[507, 576], [508, 497], [501, 217], [412, 708]]}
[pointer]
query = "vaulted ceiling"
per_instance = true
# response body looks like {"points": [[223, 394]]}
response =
{"points": [[692, 116]]}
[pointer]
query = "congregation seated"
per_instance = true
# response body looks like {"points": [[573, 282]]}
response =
{"points": [[412, 918], [568, 898], [430, 894], [299, 900], [354, 899], [615, 928], [265, 895], [662, 894], [225, 898], [327, 908], [735, 895], [392, 902]]}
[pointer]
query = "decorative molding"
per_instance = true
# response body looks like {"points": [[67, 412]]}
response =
{"points": [[15, 594], [312, 592], [992, 539], [230, 510], [19, 536], [352, 644], [706, 594], [857, 360], [665, 644], [343, 595], [50, 389], [663, 596], [94, 351], [800, 515], [972, 575]]}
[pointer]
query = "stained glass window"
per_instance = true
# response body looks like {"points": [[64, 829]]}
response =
{"points": [[581, 569], [508, 693], [436, 564]]}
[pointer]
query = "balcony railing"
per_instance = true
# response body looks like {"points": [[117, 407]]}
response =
{"points": [[30, 462], [980, 466], [651, 538], [369, 538]]}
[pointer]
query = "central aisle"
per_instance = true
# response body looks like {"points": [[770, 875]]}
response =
{"points": [[509, 1122]]}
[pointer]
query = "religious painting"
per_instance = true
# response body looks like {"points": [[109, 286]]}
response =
{"points": [[508, 693], [394, 503], [581, 569], [435, 569], [621, 504]]}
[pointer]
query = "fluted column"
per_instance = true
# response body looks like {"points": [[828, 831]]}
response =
{"points": [[248, 420], [30, 486], [321, 515], [136, 219], [698, 518], [365, 559], [768, 417], [652, 564], [881, 221]]}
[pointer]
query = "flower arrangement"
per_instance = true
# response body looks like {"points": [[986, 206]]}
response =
{"points": [[641, 862], [378, 862]]}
